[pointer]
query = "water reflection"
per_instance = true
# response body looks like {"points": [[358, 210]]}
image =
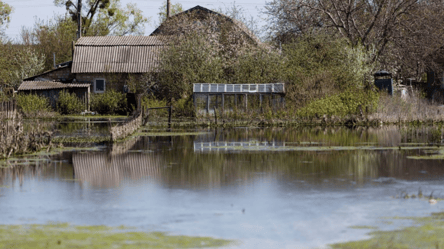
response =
{"points": [[104, 171], [177, 162], [299, 198]]}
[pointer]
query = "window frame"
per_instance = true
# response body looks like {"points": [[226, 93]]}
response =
{"points": [[95, 85]]}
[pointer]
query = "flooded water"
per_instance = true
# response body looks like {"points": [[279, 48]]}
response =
{"points": [[262, 187]]}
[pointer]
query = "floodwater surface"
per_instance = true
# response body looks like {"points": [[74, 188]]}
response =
{"points": [[259, 187]]}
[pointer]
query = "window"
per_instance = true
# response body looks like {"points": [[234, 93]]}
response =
{"points": [[99, 85]]}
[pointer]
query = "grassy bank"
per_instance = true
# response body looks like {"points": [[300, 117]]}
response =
{"points": [[427, 232], [66, 236]]}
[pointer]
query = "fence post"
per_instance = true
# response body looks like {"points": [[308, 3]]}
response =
{"points": [[169, 116]]}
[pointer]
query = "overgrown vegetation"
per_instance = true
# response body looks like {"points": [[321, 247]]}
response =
{"points": [[33, 105], [345, 103], [110, 102], [69, 103], [14, 140], [321, 75]]}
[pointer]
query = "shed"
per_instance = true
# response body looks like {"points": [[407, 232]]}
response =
{"points": [[51, 90]]}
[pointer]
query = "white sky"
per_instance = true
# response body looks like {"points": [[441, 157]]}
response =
{"points": [[26, 11]]}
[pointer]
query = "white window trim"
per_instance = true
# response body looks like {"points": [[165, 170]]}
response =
{"points": [[104, 85]]}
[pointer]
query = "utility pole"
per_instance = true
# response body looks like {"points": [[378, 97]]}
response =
{"points": [[168, 9], [79, 19]]}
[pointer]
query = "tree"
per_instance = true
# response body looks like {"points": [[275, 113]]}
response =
{"points": [[106, 17], [5, 11], [17, 62], [401, 34], [54, 36], [366, 22], [174, 9]]}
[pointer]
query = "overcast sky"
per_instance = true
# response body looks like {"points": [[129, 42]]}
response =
{"points": [[26, 11]]}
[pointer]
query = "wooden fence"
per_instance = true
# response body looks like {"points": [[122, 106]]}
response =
{"points": [[8, 109]]}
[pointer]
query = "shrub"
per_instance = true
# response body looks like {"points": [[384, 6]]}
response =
{"points": [[3, 97], [32, 104], [69, 103], [341, 104], [110, 102], [150, 102], [184, 107]]}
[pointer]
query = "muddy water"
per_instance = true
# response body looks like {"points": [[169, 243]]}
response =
{"points": [[264, 188]]}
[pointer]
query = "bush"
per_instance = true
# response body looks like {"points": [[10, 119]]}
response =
{"points": [[3, 97], [341, 104], [110, 102], [150, 102], [184, 107], [69, 103], [32, 104]]}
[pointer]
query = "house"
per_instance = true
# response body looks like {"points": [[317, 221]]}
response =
{"points": [[106, 62], [111, 62]]}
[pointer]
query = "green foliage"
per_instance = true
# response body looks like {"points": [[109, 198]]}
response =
{"points": [[3, 96], [53, 36], [174, 9], [32, 104], [255, 66], [342, 104], [5, 12], [69, 103], [106, 17], [318, 66], [184, 107], [189, 61], [110, 102], [150, 102], [18, 62]]}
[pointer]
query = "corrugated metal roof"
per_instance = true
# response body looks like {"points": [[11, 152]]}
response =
{"points": [[121, 41], [125, 54], [47, 85]]}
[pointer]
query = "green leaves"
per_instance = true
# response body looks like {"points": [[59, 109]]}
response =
{"points": [[110, 102], [32, 104], [69, 103], [5, 11], [107, 17]]}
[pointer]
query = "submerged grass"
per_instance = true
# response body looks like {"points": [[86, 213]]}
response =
{"points": [[66, 236], [428, 232], [263, 147], [437, 155]]}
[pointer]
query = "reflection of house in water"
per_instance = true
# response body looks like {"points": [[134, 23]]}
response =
{"points": [[109, 169]]}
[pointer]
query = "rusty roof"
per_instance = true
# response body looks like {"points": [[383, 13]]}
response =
{"points": [[48, 85], [113, 54]]}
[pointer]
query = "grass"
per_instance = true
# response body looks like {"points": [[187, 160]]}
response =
{"points": [[411, 108], [67, 236], [428, 232]]}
